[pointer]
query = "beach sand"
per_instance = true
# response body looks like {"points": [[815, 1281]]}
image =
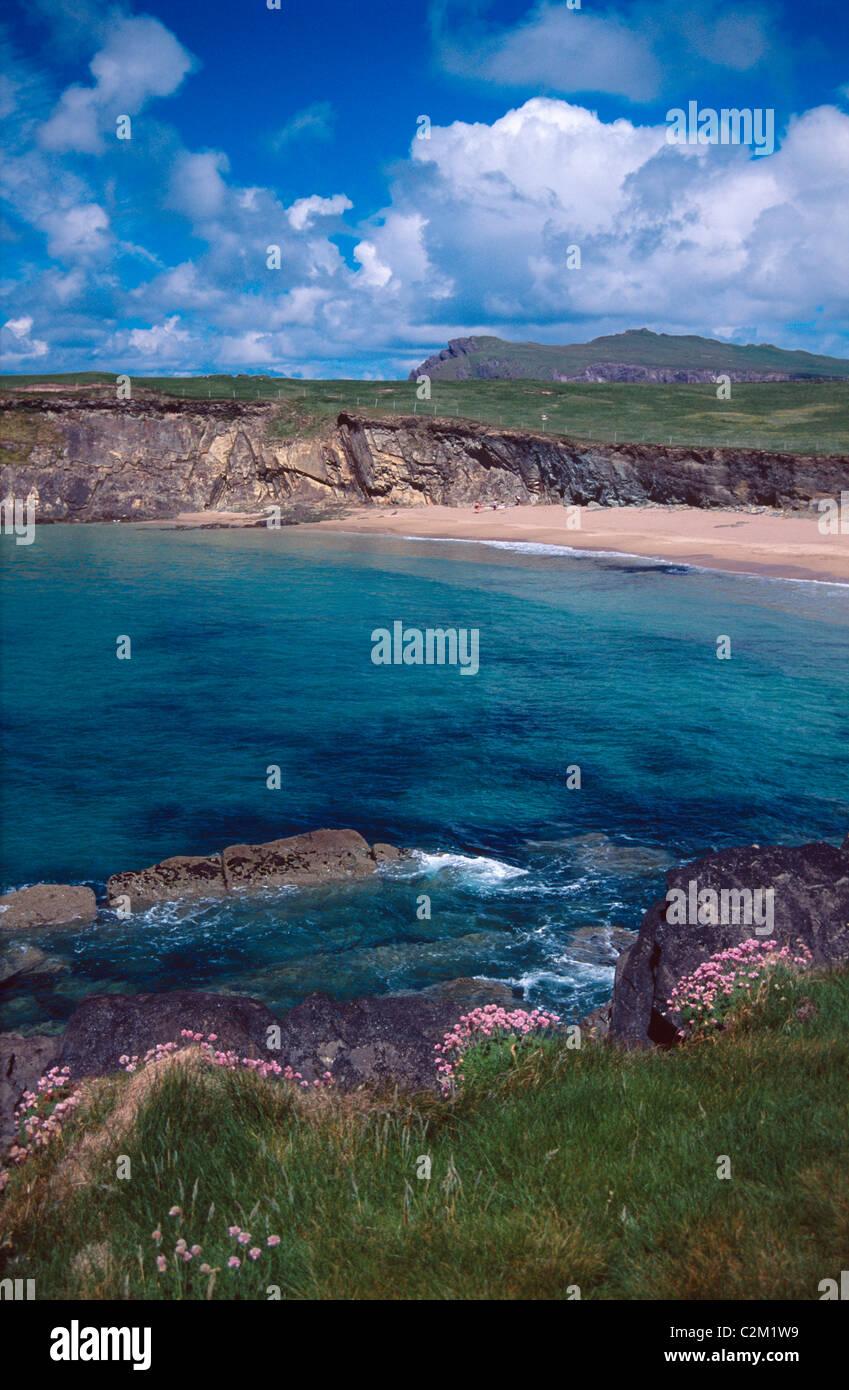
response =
{"points": [[762, 543], [786, 547]]}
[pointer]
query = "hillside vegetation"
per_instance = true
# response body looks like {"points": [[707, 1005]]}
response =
{"points": [[490, 357], [788, 417], [555, 1172]]}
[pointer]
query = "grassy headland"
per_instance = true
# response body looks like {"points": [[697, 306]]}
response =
{"points": [[791, 417], [552, 1168]]}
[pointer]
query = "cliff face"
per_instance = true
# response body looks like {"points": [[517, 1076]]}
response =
{"points": [[92, 460]]}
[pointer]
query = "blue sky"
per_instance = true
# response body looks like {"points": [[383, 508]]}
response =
{"points": [[298, 129]]}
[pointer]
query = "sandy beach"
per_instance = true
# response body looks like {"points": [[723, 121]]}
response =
{"points": [[761, 543], [787, 547]]}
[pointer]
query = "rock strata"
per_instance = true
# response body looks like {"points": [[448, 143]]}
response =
{"points": [[810, 904], [88, 459]]}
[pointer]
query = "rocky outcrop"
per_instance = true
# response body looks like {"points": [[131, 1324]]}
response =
{"points": [[317, 857], [46, 905], [105, 1027], [300, 860], [182, 876], [93, 460], [379, 1042], [808, 904], [22, 1062], [386, 1041], [382, 1041]]}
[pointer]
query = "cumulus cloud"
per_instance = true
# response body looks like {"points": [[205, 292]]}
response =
{"points": [[140, 59], [17, 343], [474, 236], [675, 237], [77, 232], [303, 210]]}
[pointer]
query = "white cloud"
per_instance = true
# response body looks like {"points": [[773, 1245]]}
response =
{"points": [[141, 59], [568, 51], [17, 343], [303, 210], [77, 232], [374, 272], [162, 343], [315, 120], [197, 188]]}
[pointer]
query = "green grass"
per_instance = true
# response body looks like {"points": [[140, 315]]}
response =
{"points": [[792, 417], [554, 1169]]}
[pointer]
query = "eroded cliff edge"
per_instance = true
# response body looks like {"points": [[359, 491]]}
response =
{"points": [[95, 460]]}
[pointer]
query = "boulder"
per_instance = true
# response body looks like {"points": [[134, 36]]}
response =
{"points": [[47, 905], [320, 856], [387, 854], [183, 876], [23, 1061], [469, 993], [810, 904], [385, 1042], [317, 857], [20, 961], [105, 1026]]}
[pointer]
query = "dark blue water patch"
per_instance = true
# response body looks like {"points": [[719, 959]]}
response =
{"points": [[253, 648], [649, 569]]}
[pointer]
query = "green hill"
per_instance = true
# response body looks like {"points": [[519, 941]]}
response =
{"points": [[649, 356]]}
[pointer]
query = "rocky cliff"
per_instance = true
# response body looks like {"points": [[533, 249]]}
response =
{"points": [[88, 459]]}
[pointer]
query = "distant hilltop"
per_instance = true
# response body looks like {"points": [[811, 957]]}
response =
{"points": [[637, 355]]}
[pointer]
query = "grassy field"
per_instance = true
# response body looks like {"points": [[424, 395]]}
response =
{"points": [[553, 1170], [794, 417]]}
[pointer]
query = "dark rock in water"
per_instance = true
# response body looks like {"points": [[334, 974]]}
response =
{"points": [[23, 1061], [467, 993], [106, 1026], [47, 905], [387, 1041], [318, 857], [183, 876], [20, 961], [810, 904]]}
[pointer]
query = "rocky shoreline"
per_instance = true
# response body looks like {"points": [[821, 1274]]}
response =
{"points": [[388, 1041]]}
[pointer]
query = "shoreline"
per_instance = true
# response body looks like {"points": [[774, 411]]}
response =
{"points": [[769, 546], [766, 545]]}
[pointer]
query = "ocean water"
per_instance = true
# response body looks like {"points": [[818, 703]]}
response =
{"points": [[253, 648]]}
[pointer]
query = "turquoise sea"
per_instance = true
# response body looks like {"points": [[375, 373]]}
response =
{"points": [[253, 648]]}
